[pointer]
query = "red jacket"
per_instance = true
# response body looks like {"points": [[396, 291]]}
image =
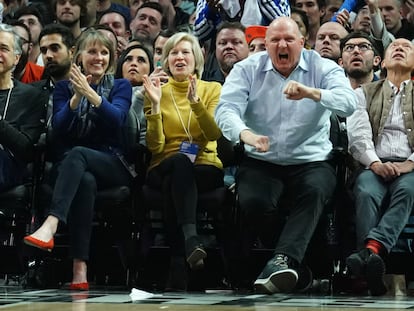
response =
{"points": [[32, 73]]}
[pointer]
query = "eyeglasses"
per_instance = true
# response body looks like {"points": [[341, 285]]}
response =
{"points": [[24, 41], [362, 47]]}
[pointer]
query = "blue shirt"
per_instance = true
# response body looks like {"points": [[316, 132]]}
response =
{"points": [[298, 130]]}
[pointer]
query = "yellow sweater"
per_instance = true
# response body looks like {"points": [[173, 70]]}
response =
{"points": [[165, 131]]}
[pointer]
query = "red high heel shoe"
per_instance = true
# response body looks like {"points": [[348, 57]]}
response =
{"points": [[46, 246], [79, 286]]}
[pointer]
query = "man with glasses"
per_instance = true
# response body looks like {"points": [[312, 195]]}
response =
{"points": [[25, 71], [32, 18], [359, 58], [382, 141]]}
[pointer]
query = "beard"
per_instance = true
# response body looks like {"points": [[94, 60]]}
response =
{"points": [[56, 70], [18, 70], [227, 66], [359, 72], [68, 24]]}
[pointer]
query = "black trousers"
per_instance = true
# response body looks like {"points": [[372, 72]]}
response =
{"points": [[79, 175], [260, 186], [180, 182], [12, 172]]}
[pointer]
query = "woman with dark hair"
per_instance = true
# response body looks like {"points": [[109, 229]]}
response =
{"points": [[133, 64], [89, 113]]}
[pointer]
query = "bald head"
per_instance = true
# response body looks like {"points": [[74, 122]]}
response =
{"points": [[284, 43], [328, 39], [399, 58], [284, 22]]}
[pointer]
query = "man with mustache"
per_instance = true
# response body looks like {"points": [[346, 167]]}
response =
{"points": [[69, 14], [56, 46], [359, 58], [382, 141], [147, 23]]}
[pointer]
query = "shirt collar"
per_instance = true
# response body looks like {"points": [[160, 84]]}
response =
{"points": [[397, 90], [302, 63]]}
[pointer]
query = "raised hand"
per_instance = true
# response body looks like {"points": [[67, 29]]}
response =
{"points": [[295, 91], [159, 73], [342, 17], [79, 81], [152, 88], [192, 90]]}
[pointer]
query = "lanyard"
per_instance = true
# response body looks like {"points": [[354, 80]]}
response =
{"points": [[6, 107], [186, 130]]}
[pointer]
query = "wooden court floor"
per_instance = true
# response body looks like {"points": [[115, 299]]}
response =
{"points": [[18, 299]]}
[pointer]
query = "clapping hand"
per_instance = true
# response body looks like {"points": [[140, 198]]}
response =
{"points": [[79, 81], [192, 90], [153, 91]]}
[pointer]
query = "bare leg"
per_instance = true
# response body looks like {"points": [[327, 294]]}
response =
{"points": [[47, 230], [79, 271]]}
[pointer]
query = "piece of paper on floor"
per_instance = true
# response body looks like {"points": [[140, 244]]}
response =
{"points": [[137, 294]]}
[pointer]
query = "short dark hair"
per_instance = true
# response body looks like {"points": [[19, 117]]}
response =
{"points": [[377, 46], [321, 3], [302, 15], [66, 34], [80, 3], [15, 22], [166, 33], [127, 19], [230, 25], [155, 6], [29, 10]]}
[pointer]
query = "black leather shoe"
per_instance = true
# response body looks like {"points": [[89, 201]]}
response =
{"points": [[195, 253], [357, 262], [370, 265], [177, 276], [375, 275]]}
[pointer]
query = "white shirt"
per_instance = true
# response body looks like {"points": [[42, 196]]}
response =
{"points": [[392, 142]]}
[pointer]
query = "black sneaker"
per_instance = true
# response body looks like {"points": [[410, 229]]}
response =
{"points": [[195, 253], [370, 265], [276, 277]]}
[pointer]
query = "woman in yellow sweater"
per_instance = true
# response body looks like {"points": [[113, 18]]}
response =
{"points": [[182, 134]]}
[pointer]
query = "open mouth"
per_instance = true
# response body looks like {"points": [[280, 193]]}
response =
{"points": [[357, 61], [398, 55], [283, 56]]}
